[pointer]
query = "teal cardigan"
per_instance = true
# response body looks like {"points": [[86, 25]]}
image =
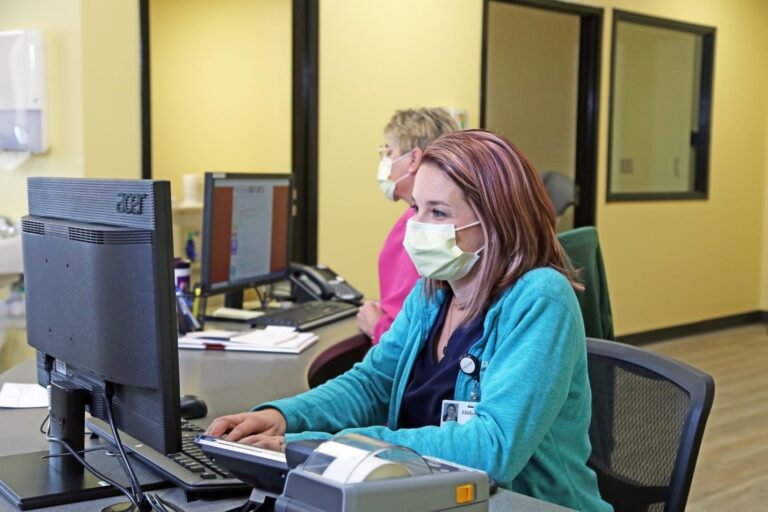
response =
{"points": [[530, 426]]}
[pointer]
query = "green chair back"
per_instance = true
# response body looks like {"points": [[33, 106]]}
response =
{"points": [[582, 247]]}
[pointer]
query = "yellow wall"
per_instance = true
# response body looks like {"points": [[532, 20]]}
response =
{"points": [[537, 110], [111, 89], [672, 263], [376, 57], [92, 91], [668, 263], [221, 87], [764, 284], [59, 20]]}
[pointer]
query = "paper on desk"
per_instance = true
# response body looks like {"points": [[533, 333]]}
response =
{"points": [[295, 344], [271, 336], [20, 396], [212, 335]]}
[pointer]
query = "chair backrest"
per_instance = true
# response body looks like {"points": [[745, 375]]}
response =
{"points": [[582, 247], [648, 418], [338, 359], [561, 190]]}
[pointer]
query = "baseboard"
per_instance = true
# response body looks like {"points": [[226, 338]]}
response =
{"points": [[705, 326]]}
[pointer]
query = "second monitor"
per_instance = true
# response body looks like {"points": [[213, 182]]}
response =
{"points": [[246, 232]]}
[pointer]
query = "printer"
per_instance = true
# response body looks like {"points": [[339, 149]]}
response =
{"points": [[351, 473]]}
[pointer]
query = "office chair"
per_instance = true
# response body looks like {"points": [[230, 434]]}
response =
{"points": [[582, 248], [338, 359], [648, 418], [560, 189]]}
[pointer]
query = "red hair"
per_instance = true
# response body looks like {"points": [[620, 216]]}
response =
{"points": [[507, 196]]}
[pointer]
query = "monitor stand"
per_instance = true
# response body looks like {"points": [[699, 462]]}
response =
{"points": [[234, 299], [43, 479], [30, 481]]}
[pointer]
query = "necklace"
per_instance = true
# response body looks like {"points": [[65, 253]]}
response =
{"points": [[449, 324], [459, 305]]}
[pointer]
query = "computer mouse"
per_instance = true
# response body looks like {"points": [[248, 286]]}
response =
{"points": [[192, 407]]}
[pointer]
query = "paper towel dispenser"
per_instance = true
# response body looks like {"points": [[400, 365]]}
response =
{"points": [[22, 91]]}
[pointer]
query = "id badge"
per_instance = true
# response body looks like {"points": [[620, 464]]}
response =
{"points": [[458, 411]]}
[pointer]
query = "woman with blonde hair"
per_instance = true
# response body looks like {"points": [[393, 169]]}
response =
{"points": [[494, 327], [407, 135]]}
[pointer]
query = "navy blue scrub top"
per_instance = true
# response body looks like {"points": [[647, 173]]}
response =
{"points": [[432, 382]]}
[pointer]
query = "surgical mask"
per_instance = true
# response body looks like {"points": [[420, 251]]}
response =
{"points": [[383, 174], [434, 252]]}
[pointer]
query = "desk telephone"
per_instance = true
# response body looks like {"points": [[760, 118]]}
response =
{"points": [[323, 282]]}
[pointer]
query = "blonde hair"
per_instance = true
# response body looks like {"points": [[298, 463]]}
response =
{"points": [[417, 128]]}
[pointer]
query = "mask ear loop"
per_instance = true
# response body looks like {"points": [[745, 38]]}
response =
{"points": [[401, 178], [470, 225], [392, 162], [476, 223]]}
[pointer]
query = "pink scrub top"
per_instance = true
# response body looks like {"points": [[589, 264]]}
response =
{"points": [[397, 275]]}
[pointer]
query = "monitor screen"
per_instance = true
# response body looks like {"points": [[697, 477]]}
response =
{"points": [[98, 271], [246, 230]]}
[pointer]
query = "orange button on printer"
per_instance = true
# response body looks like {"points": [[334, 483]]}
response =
{"points": [[465, 493]]}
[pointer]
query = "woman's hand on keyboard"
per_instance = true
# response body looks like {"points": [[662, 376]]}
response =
{"points": [[236, 427]]}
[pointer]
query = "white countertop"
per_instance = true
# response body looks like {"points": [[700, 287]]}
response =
{"points": [[11, 261]]}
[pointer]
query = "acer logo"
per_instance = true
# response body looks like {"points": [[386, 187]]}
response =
{"points": [[130, 203]]}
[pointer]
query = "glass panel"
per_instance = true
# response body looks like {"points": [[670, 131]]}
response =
{"points": [[532, 88], [655, 109], [221, 88]]}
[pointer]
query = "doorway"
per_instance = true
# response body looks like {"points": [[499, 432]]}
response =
{"points": [[540, 88], [232, 86]]}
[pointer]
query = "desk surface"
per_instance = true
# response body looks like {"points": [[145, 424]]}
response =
{"points": [[229, 382]]}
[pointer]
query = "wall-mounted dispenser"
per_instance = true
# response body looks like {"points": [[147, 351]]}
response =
{"points": [[22, 96]]}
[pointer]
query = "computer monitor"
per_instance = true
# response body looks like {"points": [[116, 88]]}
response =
{"points": [[246, 232], [98, 271]]}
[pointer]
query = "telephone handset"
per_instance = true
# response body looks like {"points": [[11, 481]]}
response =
{"points": [[323, 282]]}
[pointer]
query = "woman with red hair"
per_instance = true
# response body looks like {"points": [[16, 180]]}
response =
{"points": [[494, 325]]}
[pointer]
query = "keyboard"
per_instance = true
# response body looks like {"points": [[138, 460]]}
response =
{"points": [[308, 315], [189, 469]]}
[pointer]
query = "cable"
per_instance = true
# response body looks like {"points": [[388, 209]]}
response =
{"points": [[262, 300], [159, 504], [108, 394], [140, 498], [87, 450], [136, 498], [93, 470]]}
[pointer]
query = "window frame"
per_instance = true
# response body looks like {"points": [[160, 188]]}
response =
{"points": [[700, 185]]}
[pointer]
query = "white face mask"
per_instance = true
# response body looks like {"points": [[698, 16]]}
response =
{"points": [[434, 252], [385, 171]]}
